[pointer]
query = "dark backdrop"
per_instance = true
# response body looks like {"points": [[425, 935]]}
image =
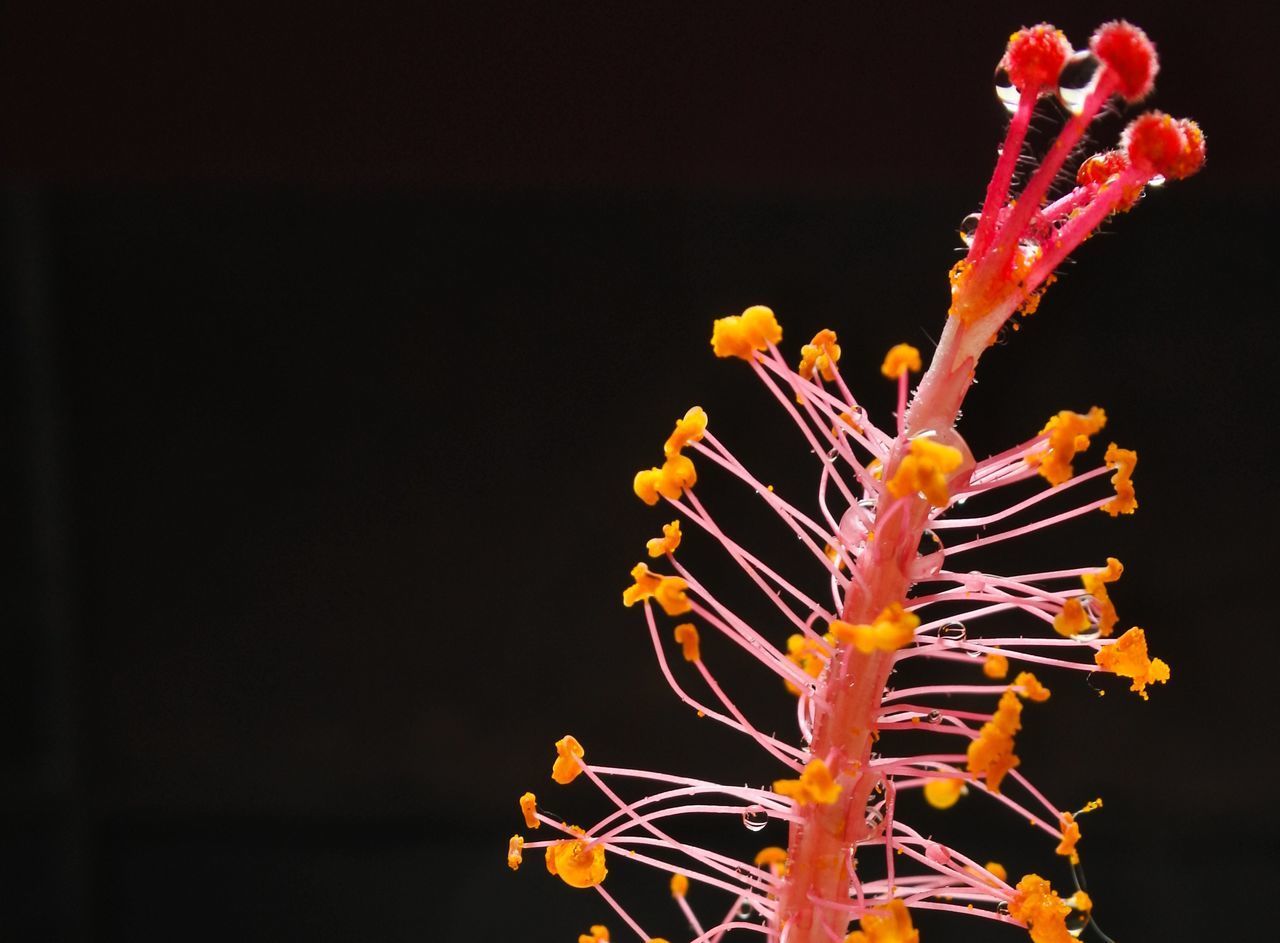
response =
{"points": [[332, 340]]}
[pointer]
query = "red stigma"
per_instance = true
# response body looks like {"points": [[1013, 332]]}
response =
{"points": [[1192, 158], [1035, 56], [1159, 144], [1100, 168], [1130, 56]]}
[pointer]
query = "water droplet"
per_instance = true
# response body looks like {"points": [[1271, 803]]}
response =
{"points": [[1005, 91], [929, 557], [1078, 919], [745, 910], [1156, 181], [953, 632], [754, 818], [875, 818], [968, 226], [1002, 908], [1076, 81], [934, 717]]}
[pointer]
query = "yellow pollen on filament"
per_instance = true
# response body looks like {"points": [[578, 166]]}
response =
{"points": [[667, 543], [1068, 433], [924, 470], [575, 862], [822, 353], [1127, 657], [900, 359], [1123, 461], [667, 591], [687, 635], [893, 629], [741, 335], [888, 924], [943, 793], [815, 786], [566, 767], [529, 808]]}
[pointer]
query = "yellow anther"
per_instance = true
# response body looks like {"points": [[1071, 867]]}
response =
{"points": [[1070, 835], [645, 585], [670, 595], [772, 857], [924, 470], [599, 934], [1123, 461], [676, 474], [888, 924], [995, 665], [943, 793], [846, 424], [893, 629], [900, 359], [1095, 584], [1072, 620], [529, 806], [669, 481], [1039, 906], [1032, 689], [515, 852], [567, 766], [679, 885], [997, 870], [991, 754], [667, 543], [645, 485], [815, 785], [807, 654], [688, 429], [741, 335], [822, 353], [833, 554], [577, 863], [687, 636], [1091, 806], [1068, 434], [1127, 657]]}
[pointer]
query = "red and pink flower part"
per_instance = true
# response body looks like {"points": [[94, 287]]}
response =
{"points": [[890, 534]]}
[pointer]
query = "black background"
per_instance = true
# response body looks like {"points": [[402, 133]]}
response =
{"points": [[334, 336]]}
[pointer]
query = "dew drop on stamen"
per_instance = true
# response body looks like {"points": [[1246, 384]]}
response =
{"points": [[1076, 81], [754, 818], [1005, 91], [1156, 181], [953, 632], [934, 716], [1002, 908], [1077, 920], [968, 226], [745, 910]]}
